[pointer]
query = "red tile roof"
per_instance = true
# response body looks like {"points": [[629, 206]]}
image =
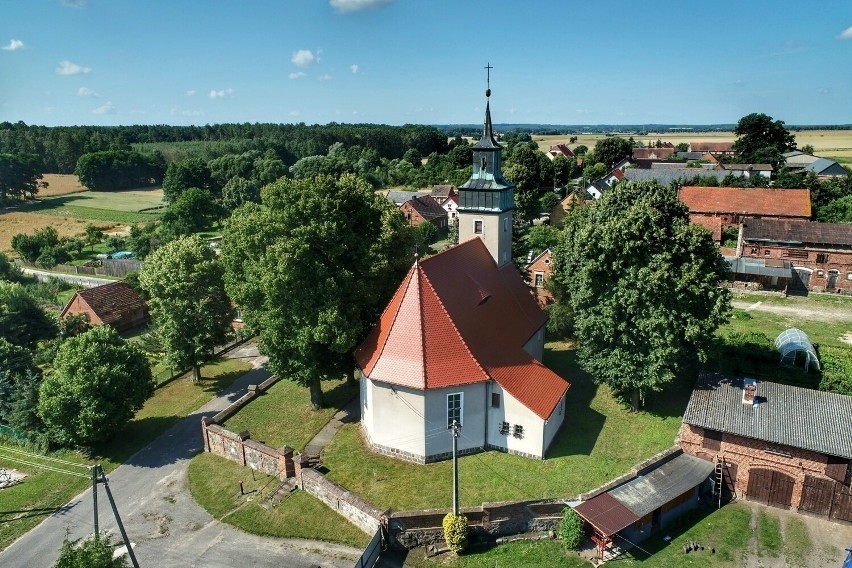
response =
{"points": [[714, 224], [652, 153], [458, 319], [747, 200], [111, 302], [606, 513], [712, 147], [562, 149]]}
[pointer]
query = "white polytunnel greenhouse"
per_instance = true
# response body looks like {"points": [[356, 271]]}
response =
{"points": [[796, 349]]}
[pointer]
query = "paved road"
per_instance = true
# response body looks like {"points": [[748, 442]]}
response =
{"points": [[76, 279], [163, 521]]}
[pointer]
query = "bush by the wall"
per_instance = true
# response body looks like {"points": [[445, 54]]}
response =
{"points": [[571, 529], [456, 532], [836, 370]]}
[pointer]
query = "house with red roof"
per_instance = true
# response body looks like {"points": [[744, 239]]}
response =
{"points": [[116, 304], [559, 150], [461, 342]]}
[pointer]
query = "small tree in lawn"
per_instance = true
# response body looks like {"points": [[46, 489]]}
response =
{"points": [[189, 307], [93, 235], [97, 384], [571, 529]]}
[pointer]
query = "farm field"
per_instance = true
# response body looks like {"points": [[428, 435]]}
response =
{"points": [[61, 184], [16, 221], [833, 144]]}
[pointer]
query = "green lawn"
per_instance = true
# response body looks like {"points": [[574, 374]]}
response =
{"points": [[797, 542], [130, 201], [266, 422], [768, 534], [214, 484], [96, 214], [25, 505], [599, 440], [538, 554]]}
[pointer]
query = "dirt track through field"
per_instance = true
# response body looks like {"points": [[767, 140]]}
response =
{"points": [[813, 311]]}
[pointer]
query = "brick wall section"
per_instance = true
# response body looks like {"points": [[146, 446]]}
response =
{"points": [[747, 453], [820, 260], [359, 512], [410, 529], [240, 448]]}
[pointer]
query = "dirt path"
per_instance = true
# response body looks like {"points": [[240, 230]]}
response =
{"points": [[813, 311]]}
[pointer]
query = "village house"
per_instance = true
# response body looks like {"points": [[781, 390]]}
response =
{"points": [[538, 272], [441, 193], [557, 214], [559, 150], [798, 161], [652, 154], [451, 206], [117, 305], [733, 204], [398, 197], [666, 176], [424, 209], [749, 170], [819, 254], [780, 445], [715, 148], [461, 341]]}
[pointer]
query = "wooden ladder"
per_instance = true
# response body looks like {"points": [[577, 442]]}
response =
{"points": [[720, 479]]}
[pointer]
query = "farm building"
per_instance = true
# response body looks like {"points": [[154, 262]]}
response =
{"points": [[638, 505], [733, 204], [116, 304], [424, 209], [780, 445], [538, 272]]}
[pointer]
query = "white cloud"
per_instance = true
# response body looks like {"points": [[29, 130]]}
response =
{"points": [[846, 34], [295, 113], [106, 108], [74, 3], [14, 45], [354, 69], [325, 77], [68, 68], [86, 92], [304, 58], [297, 75], [222, 94], [739, 83], [190, 93], [823, 91], [346, 6]]}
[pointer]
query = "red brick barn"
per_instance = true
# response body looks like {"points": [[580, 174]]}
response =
{"points": [[820, 254], [784, 446], [733, 204], [116, 304], [424, 209]]}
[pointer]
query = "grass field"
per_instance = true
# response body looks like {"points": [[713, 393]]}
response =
{"points": [[14, 222], [132, 206], [214, 484], [61, 184], [40, 494]]}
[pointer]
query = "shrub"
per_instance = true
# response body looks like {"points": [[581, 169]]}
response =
{"points": [[90, 553], [571, 529], [836, 370], [456, 532]]}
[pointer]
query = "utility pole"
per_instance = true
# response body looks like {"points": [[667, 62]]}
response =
{"points": [[95, 497], [456, 431], [126, 540]]}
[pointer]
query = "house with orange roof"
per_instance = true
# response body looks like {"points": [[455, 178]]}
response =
{"points": [[116, 304], [461, 341], [733, 204]]}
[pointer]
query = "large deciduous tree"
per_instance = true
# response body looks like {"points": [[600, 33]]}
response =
{"points": [[643, 285], [22, 321], [762, 140], [189, 307], [311, 267], [20, 175], [97, 384], [180, 176], [611, 149]]}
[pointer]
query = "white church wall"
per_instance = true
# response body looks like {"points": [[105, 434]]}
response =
{"points": [[525, 433], [393, 418], [551, 426], [535, 345], [439, 442]]}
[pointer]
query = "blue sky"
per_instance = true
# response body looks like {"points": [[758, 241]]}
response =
{"points": [[109, 62]]}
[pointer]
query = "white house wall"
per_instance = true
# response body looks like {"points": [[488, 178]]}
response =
{"points": [[535, 345], [393, 418], [530, 443], [551, 426], [439, 443]]}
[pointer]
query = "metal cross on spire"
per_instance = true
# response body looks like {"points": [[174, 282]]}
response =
{"points": [[488, 69]]}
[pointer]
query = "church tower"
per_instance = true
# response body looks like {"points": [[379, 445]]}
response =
{"points": [[486, 200]]}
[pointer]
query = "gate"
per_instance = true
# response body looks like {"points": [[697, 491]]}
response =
{"points": [[770, 487], [841, 507], [817, 495]]}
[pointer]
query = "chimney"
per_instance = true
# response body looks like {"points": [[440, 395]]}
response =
{"points": [[749, 389], [739, 252]]}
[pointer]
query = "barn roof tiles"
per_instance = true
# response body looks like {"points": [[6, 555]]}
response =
{"points": [[786, 415], [747, 200], [110, 302], [794, 231]]}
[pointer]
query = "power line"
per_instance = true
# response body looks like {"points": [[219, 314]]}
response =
{"points": [[46, 467], [47, 458]]}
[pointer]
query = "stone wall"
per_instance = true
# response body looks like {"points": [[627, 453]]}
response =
{"points": [[357, 511], [410, 529]]}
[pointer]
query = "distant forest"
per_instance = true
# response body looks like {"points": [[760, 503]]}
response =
{"points": [[637, 129], [60, 147]]}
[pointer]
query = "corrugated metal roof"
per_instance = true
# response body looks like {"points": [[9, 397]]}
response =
{"points": [[606, 514], [667, 175], [792, 416], [672, 479], [758, 267]]}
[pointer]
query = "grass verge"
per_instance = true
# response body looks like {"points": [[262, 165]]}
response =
{"points": [[43, 492], [797, 542], [214, 484], [263, 418], [541, 554], [768, 535], [599, 440]]}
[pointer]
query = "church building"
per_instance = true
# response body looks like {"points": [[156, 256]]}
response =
{"points": [[462, 341]]}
